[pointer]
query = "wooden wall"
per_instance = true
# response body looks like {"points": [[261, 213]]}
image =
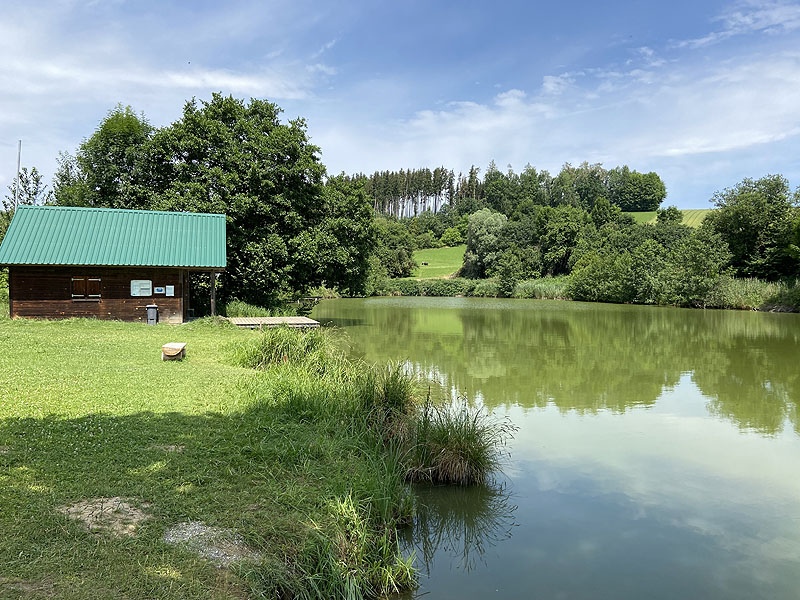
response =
{"points": [[47, 292]]}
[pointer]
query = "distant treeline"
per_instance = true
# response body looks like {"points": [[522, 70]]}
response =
{"points": [[408, 193]]}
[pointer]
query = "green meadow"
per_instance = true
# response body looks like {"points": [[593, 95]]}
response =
{"points": [[442, 262], [285, 454], [691, 217]]}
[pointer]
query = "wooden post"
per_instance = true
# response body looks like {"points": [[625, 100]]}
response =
{"points": [[213, 294]]}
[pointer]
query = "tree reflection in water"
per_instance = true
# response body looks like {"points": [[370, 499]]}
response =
{"points": [[460, 523]]}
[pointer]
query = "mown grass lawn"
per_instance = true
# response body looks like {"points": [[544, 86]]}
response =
{"points": [[88, 410], [442, 262]]}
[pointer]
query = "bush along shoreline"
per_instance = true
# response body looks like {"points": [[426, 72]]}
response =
{"points": [[719, 292], [355, 552]]}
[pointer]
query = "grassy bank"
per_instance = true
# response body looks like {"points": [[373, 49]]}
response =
{"points": [[273, 438]]}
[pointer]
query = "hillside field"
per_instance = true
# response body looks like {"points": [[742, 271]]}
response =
{"points": [[691, 217], [442, 262]]}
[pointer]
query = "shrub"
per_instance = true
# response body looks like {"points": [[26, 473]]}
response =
{"points": [[485, 288], [433, 287], [546, 287], [452, 237]]}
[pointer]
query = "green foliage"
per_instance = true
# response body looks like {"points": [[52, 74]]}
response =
{"points": [[669, 216], [395, 248], [457, 444], [452, 237], [237, 308], [756, 218], [633, 191], [104, 169], [310, 348], [486, 288], [287, 231], [669, 264], [427, 240], [434, 287], [554, 288], [483, 242]]}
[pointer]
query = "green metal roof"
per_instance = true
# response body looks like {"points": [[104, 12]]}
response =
{"points": [[65, 235]]}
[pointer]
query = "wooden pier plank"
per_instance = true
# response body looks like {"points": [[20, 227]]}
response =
{"points": [[260, 322]]}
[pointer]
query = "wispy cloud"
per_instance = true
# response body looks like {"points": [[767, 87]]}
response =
{"points": [[750, 16]]}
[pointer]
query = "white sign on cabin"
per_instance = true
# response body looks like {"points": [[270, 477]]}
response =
{"points": [[170, 290], [141, 287]]}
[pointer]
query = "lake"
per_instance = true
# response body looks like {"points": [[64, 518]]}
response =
{"points": [[658, 451]]}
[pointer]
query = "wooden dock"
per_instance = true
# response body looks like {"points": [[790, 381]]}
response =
{"points": [[261, 322]]}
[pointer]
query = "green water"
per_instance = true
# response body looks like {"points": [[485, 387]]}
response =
{"points": [[658, 454]]}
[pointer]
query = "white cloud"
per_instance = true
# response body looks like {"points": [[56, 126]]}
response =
{"points": [[659, 118]]}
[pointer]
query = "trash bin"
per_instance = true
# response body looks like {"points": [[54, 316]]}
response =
{"points": [[152, 314]]}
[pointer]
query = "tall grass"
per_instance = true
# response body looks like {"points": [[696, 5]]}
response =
{"points": [[313, 348], [554, 288], [457, 444], [754, 294], [238, 308]]}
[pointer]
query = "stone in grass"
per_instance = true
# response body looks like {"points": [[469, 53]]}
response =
{"points": [[223, 547], [116, 515], [5, 449]]}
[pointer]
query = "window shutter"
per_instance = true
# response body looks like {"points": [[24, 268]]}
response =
{"points": [[79, 287], [93, 287]]}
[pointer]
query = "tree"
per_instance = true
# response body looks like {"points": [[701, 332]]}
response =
{"points": [[31, 191], [483, 242], [669, 216], [603, 212], [394, 248], [633, 191], [103, 169], [755, 218], [452, 237]]}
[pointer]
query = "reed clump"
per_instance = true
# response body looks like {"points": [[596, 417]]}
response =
{"points": [[371, 413]]}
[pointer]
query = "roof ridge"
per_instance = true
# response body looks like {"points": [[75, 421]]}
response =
{"points": [[122, 210]]}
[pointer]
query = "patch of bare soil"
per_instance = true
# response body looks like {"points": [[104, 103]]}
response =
{"points": [[168, 448], [115, 515], [32, 589], [223, 547]]}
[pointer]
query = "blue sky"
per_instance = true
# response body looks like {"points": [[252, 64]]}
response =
{"points": [[704, 93]]}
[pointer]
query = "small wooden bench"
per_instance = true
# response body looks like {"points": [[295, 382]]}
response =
{"points": [[173, 351]]}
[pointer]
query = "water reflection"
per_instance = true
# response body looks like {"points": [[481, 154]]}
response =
{"points": [[656, 458], [582, 358], [459, 523]]}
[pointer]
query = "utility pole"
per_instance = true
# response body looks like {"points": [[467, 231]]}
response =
{"points": [[16, 185]]}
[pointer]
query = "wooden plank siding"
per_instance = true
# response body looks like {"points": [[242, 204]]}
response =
{"points": [[47, 292]]}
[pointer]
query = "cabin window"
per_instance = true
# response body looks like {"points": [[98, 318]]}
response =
{"points": [[85, 288]]}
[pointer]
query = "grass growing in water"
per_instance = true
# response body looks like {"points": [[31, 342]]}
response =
{"points": [[456, 444]]}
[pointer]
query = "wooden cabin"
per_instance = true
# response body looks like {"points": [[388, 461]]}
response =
{"points": [[108, 263]]}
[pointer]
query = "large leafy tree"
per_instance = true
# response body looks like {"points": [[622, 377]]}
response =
{"points": [[286, 233], [756, 219], [103, 169]]}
